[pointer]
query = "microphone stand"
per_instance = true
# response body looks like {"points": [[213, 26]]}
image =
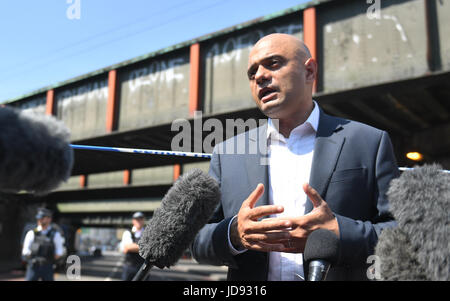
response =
{"points": [[143, 271]]}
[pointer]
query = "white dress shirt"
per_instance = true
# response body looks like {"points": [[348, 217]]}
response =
{"points": [[58, 241], [290, 162], [128, 239]]}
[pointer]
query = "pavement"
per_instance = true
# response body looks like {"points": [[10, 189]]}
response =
{"points": [[108, 267]]}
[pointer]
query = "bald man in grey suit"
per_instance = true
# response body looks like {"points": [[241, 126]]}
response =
{"points": [[318, 171]]}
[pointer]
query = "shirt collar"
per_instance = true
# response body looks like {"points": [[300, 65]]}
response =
{"points": [[313, 121], [39, 228], [135, 230]]}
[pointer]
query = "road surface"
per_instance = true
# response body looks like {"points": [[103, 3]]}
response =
{"points": [[108, 267]]}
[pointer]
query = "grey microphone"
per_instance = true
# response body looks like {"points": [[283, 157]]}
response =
{"points": [[321, 251], [418, 248], [185, 209], [35, 154]]}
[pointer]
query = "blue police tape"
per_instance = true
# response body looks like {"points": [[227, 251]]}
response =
{"points": [[140, 151], [166, 153], [411, 168]]}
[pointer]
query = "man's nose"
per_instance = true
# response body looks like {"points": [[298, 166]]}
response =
{"points": [[262, 75]]}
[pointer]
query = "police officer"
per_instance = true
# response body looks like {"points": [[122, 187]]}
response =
{"points": [[129, 246], [42, 247]]}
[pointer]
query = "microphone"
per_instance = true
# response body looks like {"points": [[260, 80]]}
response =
{"points": [[35, 154], [185, 209], [418, 248], [321, 251]]}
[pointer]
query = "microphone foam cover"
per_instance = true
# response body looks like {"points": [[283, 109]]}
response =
{"points": [[35, 154], [322, 244], [398, 257], [419, 200], [185, 209]]}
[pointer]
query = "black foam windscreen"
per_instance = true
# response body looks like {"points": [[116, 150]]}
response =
{"points": [[418, 248], [35, 154], [322, 244], [185, 209]]}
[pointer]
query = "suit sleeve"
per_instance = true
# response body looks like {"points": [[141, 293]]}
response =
{"points": [[210, 246], [358, 238]]}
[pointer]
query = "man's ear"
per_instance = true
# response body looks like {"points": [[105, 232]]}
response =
{"points": [[311, 70]]}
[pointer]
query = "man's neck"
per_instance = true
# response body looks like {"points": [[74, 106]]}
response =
{"points": [[44, 227], [286, 125]]}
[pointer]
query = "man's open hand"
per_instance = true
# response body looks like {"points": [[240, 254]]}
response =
{"points": [[266, 235], [321, 217]]}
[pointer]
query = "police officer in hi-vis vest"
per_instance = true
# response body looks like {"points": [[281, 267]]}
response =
{"points": [[42, 246], [129, 246]]}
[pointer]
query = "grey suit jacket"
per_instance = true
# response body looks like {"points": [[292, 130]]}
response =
{"points": [[352, 167]]}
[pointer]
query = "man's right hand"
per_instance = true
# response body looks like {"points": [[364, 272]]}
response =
{"points": [[267, 235]]}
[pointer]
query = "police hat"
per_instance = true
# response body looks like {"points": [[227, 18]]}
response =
{"points": [[138, 215], [42, 212]]}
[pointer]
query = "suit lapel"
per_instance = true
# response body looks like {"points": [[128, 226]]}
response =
{"points": [[327, 149], [256, 164], [258, 172]]}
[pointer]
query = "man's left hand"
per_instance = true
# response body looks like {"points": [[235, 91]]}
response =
{"points": [[321, 217]]}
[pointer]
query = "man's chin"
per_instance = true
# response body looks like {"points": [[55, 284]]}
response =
{"points": [[271, 109]]}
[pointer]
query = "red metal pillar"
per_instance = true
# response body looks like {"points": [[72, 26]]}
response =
{"points": [[83, 181], [310, 34], [194, 91], [50, 104], [194, 79], [111, 107], [111, 114], [176, 171], [127, 177]]}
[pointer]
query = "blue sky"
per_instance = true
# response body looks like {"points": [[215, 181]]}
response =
{"points": [[42, 46]]}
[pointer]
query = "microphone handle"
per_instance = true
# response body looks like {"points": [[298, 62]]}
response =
{"points": [[143, 271], [318, 270]]}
